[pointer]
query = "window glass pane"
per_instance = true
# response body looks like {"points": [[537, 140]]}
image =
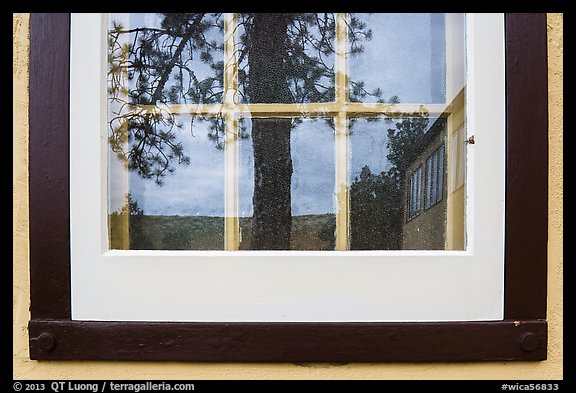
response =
{"points": [[410, 200], [419, 190], [428, 182], [392, 168], [440, 191], [156, 204], [434, 187], [309, 189], [416, 189], [286, 58], [375, 201], [406, 54], [413, 195], [159, 58]]}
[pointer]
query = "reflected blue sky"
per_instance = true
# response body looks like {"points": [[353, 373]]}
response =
{"points": [[312, 188], [405, 57], [200, 68], [192, 190], [367, 146]]}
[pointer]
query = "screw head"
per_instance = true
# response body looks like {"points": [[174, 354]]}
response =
{"points": [[529, 342], [46, 342]]}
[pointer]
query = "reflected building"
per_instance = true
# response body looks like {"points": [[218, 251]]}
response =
{"points": [[434, 186], [424, 225]]}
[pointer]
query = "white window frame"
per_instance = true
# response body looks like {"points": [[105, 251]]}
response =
{"points": [[280, 286]]}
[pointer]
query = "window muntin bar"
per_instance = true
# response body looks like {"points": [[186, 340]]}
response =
{"points": [[231, 224], [341, 130], [352, 109]]}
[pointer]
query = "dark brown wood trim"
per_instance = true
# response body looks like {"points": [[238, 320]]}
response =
{"points": [[48, 170], [526, 166], [294, 342], [522, 336]]}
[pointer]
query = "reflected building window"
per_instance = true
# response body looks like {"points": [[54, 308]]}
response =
{"points": [[414, 193], [434, 178], [425, 226]]}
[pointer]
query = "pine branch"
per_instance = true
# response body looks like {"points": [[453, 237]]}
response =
{"points": [[164, 78]]}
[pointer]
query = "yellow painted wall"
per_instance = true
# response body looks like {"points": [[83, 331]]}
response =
{"points": [[24, 368]]}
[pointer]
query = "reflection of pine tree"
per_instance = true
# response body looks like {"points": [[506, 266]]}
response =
{"points": [[377, 201], [375, 212], [287, 58], [405, 143], [138, 239], [130, 207]]}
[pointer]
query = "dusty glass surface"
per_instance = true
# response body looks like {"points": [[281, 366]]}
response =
{"points": [[181, 212], [167, 58], [317, 131], [407, 58], [310, 191], [302, 71], [396, 177]]}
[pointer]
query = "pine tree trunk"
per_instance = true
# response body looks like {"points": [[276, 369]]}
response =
{"points": [[272, 222]]}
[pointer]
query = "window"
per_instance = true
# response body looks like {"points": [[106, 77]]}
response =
{"points": [[415, 193], [434, 178], [331, 295], [198, 118]]}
